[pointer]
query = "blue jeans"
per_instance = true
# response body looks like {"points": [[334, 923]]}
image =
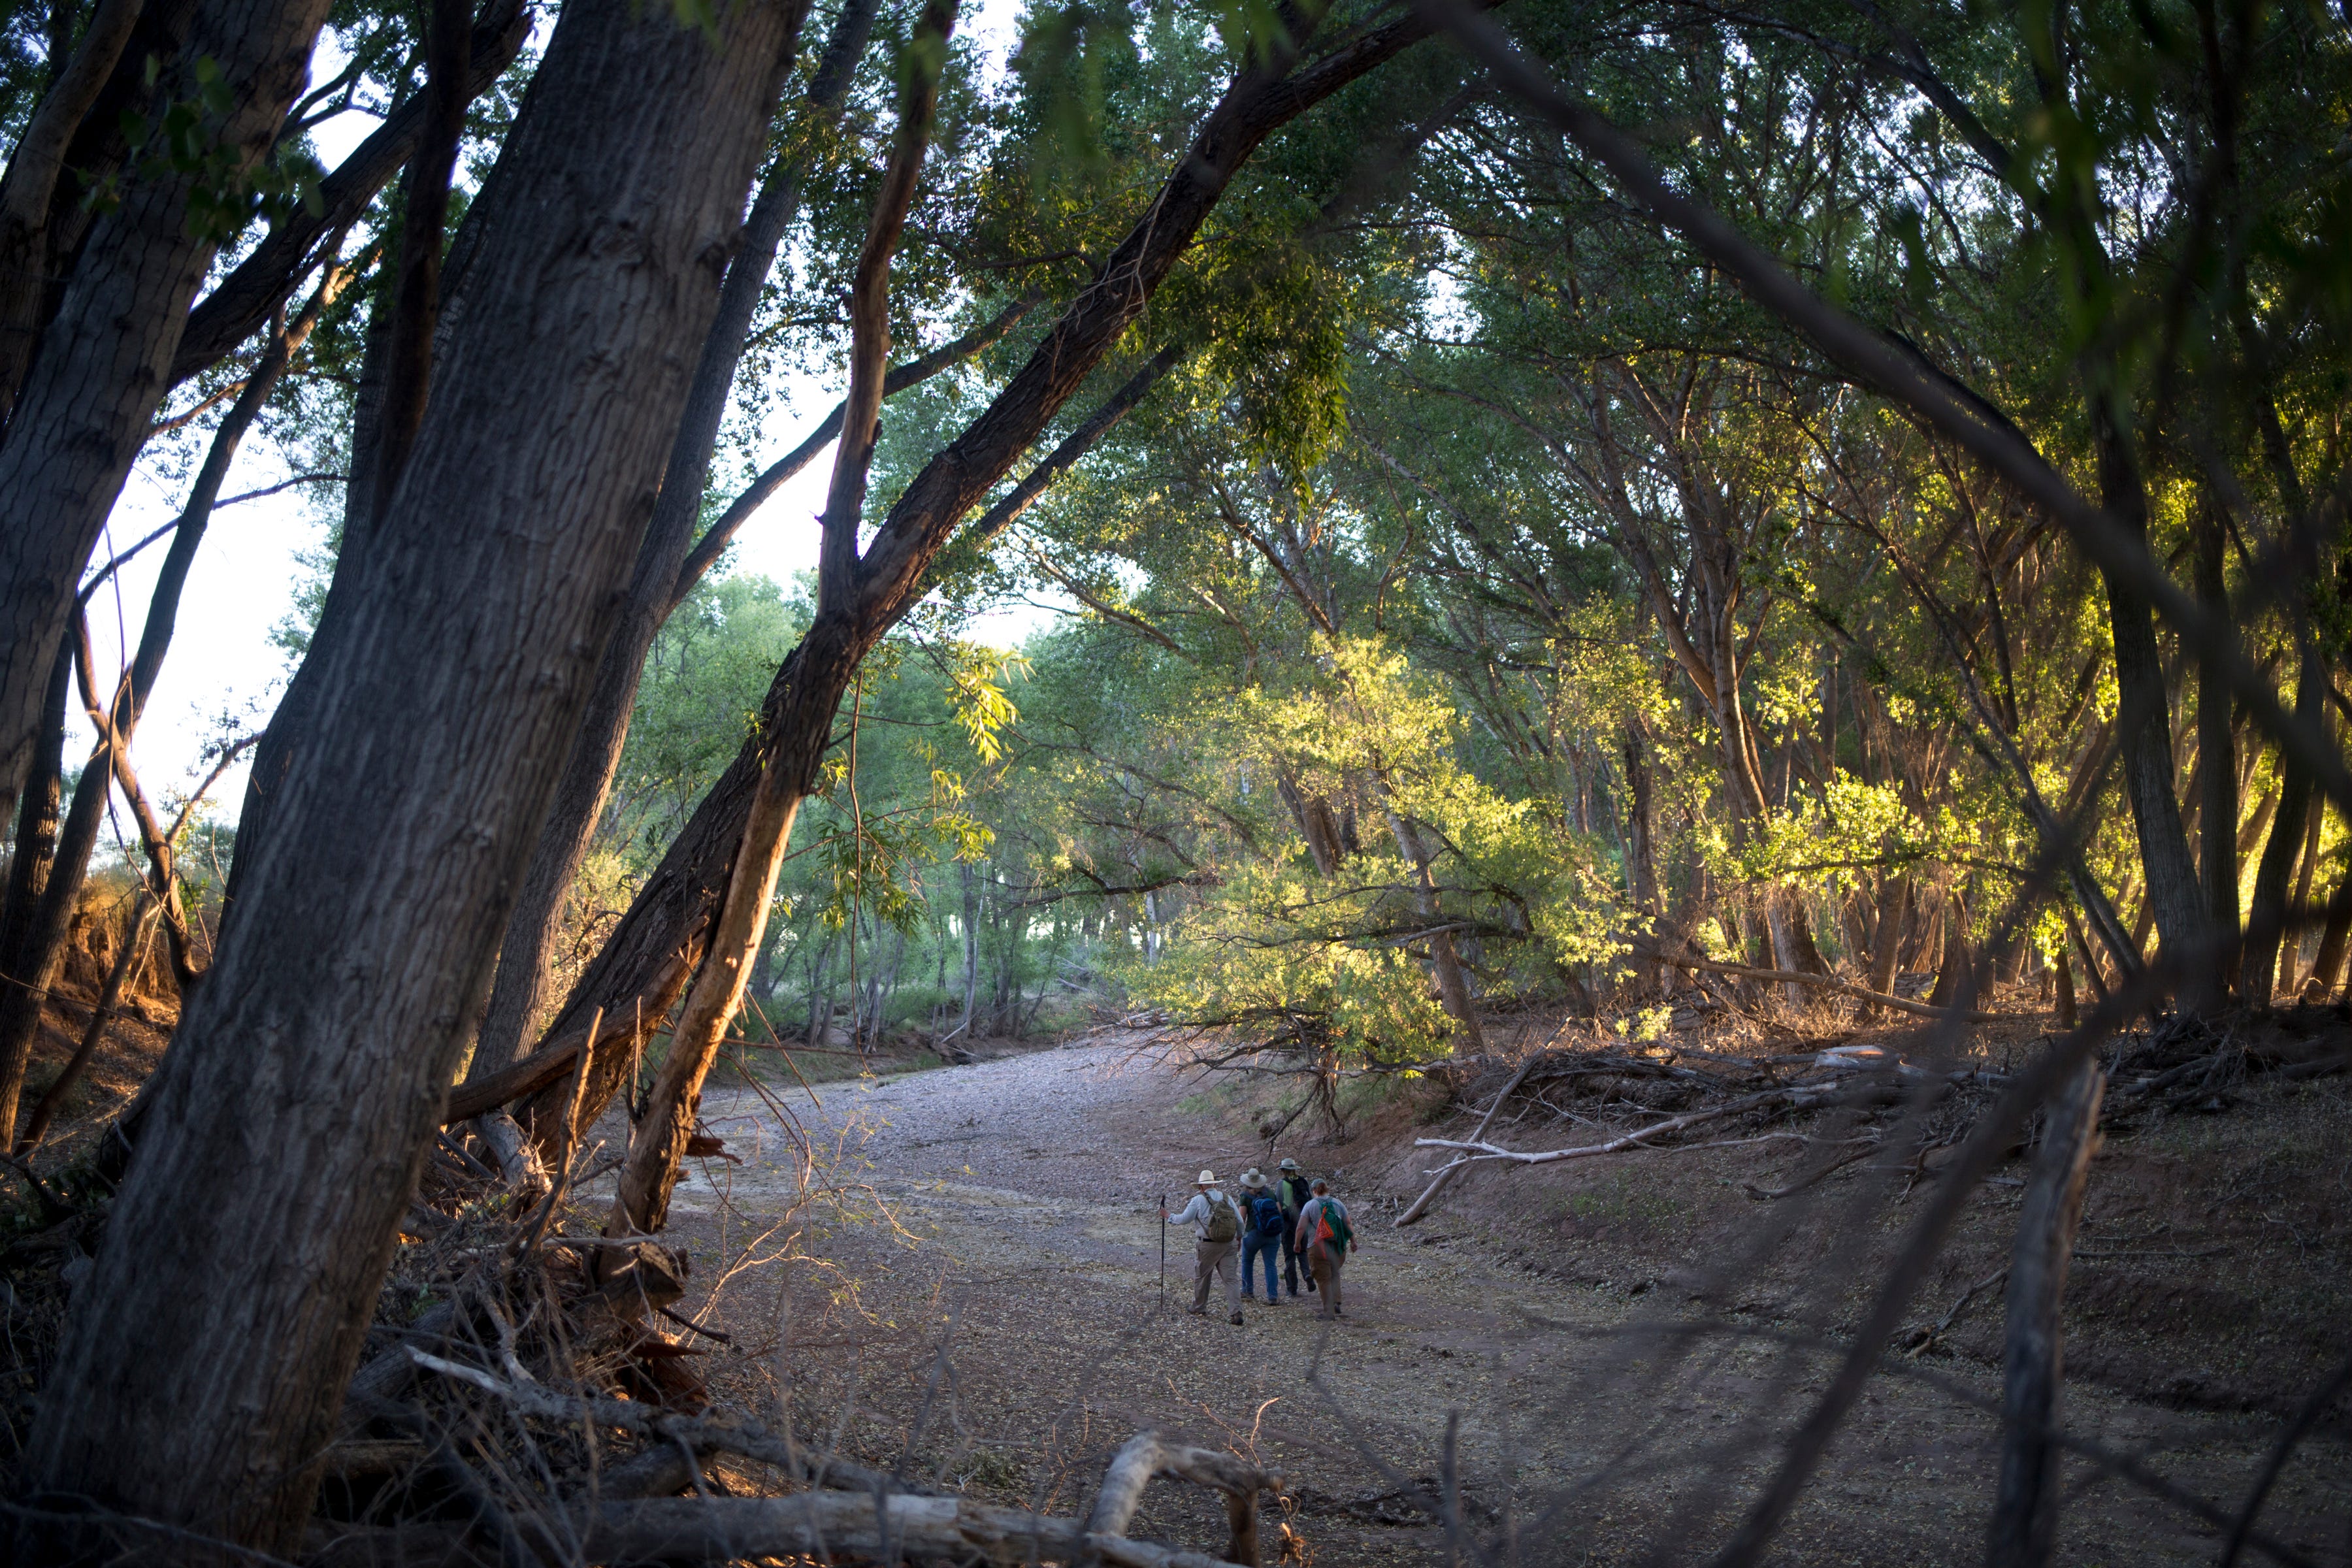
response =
{"points": [[1254, 1247]]}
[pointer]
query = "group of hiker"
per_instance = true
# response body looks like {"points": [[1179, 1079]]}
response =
{"points": [[1291, 1216]]}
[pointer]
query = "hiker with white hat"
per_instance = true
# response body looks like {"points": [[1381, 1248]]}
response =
{"points": [[1217, 1225], [1290, 1190], [1263, 1240]]}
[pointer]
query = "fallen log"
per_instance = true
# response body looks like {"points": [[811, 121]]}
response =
{"points": [[1825, 981], [1145, 1454], [825, 1526], [877, 1517]]}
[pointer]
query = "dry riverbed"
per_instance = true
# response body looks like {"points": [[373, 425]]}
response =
{"points": [[984, 1303]]}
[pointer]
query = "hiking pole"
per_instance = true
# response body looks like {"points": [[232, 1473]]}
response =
{"points": [[1163, 1249]]}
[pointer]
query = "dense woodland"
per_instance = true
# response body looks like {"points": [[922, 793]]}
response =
{"points": [[1545, 508]]}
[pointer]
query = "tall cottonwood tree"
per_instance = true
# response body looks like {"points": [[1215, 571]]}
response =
{"points": [[201, 1381]]}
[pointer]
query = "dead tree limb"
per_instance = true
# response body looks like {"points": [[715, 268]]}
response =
{"points": [[2025, 1515], [1447, 1173], [1825, 981], [1802, 1096], [1144, 1455]]}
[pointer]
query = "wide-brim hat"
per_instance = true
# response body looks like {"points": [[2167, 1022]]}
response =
{"points": [[1208, 1179], [1287, 1165], [1253, 1179]]}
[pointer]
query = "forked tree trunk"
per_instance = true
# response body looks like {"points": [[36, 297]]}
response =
{"points": [[657, 1147], [200, 1383], [100, 370]]}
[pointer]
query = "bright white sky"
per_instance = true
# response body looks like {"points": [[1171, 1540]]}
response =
{"points": [[223, 675]]}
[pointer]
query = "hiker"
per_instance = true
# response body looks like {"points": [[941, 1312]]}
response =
{"points": [[1217, 1225], [1264, 1237], [1323, 1237], [1291, 1191]]}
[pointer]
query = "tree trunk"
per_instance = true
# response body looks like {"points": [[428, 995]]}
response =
{"points": [[2217, 761], [2025, 1513], [2176, 897], [203, 1377], [1955, 978], [2332, 941], [2266, 915], [77, 79], [2067, 1005], [657, 1148], [1641, 841], [971, 941], [21, 926], [1893, 912], [1445, 963], [90, 393], [2306, 866], [519, 996]]}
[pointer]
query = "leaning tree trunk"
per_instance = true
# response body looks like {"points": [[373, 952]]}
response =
{"points": [[1444, 961], [199, 1383], [101, 368], [519, 995], [672, 914]]}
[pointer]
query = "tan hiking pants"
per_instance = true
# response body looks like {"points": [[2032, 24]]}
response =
{"points": [[1325, 1266], [1215, 1259]]}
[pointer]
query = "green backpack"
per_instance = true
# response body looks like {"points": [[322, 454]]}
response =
{"points": [[1224, 1220], [1331, 1228]]}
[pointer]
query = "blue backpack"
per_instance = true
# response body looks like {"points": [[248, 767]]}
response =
{"points": [[1266, 1217]]}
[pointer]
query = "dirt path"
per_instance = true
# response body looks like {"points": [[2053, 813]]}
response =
{"points": [[1014, 1222]]}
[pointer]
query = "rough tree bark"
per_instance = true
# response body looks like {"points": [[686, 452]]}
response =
{"points": [[100, 367], [31, 183], [519, 996], [202, 1379], [672, 914]]}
